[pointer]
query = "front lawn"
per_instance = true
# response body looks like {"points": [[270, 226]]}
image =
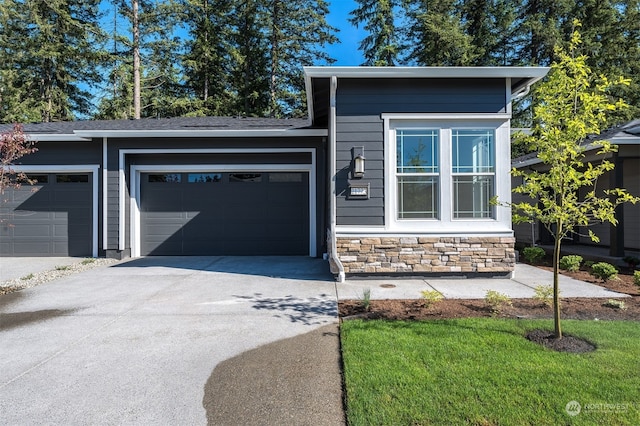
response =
{"points": [[483, 371]]}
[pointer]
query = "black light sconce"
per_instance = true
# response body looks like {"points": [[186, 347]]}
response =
{"points": [[358, 162]]}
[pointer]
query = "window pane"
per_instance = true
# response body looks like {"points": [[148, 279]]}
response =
{"points": [[471, 196], [417, 151], [166, 178], [417, 197], [38, 178], [285, 177], [245, 177], [472, 151], [72, 178], [204, 177]]}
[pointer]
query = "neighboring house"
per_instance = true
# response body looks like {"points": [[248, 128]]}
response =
{"points": [[392, 173], [626, 174]]}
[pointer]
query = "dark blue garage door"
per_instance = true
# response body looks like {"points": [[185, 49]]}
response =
{"points": [[53, 217], [248, 213]]}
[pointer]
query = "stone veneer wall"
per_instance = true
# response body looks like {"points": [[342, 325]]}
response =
{"points": [[426, 254]]}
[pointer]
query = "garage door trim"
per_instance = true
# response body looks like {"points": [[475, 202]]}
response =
{"points": [[136, 170], [80, 168]]}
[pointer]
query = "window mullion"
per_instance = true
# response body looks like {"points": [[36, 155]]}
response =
{"points": [[446, 186]]}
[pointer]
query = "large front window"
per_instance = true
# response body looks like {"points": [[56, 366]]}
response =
{"points": [[444, 173], [417, 171], [473, 172]]}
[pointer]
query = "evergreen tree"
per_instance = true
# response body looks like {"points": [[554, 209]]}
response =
{"points": [[610, 31], [50, 52], [540, 29], [436, 35], [249, 57], [145, 77], [383, 44], [207, 60], [297, 32]]}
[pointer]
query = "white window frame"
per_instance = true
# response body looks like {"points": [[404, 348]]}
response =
{"points": [[445, 223]]}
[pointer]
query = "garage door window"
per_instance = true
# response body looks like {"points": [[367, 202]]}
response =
{"points": [[72, 178], [245, 177], [204, 177], [166, 178], [37, 179], [285, 177]]}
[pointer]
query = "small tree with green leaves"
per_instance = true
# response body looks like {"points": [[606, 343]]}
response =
{"points": [[573, 104]]}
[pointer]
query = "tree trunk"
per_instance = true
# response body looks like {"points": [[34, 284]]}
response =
{"points": [[556, 284], [136, 60]]}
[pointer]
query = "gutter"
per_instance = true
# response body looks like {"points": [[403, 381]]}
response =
{"points": [[334, 260]]}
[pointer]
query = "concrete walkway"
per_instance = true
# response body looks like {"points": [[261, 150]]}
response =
{"points": [[526, 278]]}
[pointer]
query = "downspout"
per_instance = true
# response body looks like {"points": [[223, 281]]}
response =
{"points": [[334, 259]]}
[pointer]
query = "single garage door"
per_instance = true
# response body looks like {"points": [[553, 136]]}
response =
{"points": [[248, 213], [53, 217]]}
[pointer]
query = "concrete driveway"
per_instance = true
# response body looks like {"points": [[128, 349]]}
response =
{"points": [[135, 343]]}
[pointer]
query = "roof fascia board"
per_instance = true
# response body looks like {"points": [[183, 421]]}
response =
{"points": [[427, 72], [200, 133], [54, 137]]}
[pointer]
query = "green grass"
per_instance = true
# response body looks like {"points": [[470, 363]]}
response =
{"points": [[483, 371]]}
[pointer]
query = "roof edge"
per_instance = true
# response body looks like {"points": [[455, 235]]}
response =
{"points": [[427, 72]]}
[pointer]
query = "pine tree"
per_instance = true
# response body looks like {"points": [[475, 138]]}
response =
{"points": [[383, 44]]}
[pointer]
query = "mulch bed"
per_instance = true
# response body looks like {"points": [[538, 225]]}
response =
{"points": [[571, 308]]}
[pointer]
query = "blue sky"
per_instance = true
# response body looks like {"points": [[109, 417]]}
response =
{"points": [[346, 52]]}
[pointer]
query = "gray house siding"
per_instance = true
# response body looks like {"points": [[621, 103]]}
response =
{"points": [[59, 221], [359, 106]]}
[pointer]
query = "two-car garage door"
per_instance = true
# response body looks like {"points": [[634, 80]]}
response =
{"points": [[229, 213]]}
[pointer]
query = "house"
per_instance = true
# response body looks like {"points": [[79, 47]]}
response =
{"points": [[392, 173], [619, 239]]}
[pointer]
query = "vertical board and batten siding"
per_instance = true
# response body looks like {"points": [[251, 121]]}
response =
{"points": [[359, 105]]}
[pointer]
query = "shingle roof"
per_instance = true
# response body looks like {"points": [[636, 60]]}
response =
{"points": [[152, 124]]}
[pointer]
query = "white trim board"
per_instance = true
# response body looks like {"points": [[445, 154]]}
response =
{"points": [[79, 168], [135, 170]]}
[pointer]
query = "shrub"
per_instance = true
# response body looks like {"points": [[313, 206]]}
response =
{"points": [[589, 264], [544, 294], [366, 299], [27, 277], [496, 301], [632, 261], [533, 254], [63, 268], [431, 296], [636, 277], [88, 260], [616, 304], [603, 270], [570, 263]]}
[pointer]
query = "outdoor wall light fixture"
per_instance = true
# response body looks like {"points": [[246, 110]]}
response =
{"points": [[358, 161]]}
